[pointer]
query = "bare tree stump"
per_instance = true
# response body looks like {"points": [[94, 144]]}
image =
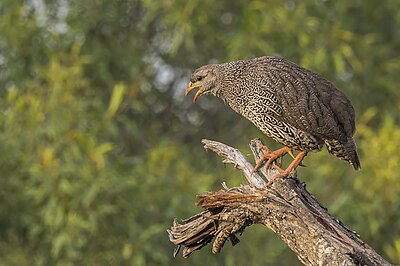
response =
{"points": [[286, 207]]}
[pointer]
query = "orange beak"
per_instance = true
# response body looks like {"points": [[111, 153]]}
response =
{"points": [[191, 87]]}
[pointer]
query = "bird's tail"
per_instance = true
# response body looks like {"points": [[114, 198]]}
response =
{"points": [[345, 151]]}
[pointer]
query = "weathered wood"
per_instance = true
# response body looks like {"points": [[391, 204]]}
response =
{"points": [[286, 207]]}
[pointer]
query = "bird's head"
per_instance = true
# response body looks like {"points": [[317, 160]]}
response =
{"points": [[205, 79]]}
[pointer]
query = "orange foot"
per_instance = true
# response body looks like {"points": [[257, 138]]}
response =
{"points": [[293, 165], [272, 156]]}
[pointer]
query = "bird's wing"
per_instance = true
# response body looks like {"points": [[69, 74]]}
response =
{"points": [[310, 103]]}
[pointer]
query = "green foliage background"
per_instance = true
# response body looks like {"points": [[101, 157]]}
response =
{"points": [[100, 149]]}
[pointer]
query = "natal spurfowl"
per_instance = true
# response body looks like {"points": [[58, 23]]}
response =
{"points": [[295, 106]]}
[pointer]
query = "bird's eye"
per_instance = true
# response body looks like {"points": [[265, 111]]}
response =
{"points": [[199, 78]]}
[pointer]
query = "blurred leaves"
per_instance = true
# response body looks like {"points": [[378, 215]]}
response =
{"points": [[101, 151], [116, 100]]}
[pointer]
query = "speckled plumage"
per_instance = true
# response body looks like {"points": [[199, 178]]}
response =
{"points": [[295, 106]]}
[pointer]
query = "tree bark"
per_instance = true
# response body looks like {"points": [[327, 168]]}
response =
{"points": [[286, 207]]}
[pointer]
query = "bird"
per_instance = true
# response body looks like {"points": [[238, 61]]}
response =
{"points": [[294, 106]]}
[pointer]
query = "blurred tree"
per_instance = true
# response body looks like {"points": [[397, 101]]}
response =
{"points": [[100, 148]]}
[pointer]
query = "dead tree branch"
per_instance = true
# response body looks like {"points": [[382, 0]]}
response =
{"points": [[286, 207]]}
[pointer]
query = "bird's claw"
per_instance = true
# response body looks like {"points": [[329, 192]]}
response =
{"points": [[272, 156], [292, 167], [264, 147]]}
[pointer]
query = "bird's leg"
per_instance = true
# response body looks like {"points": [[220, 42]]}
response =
{"points": [[290, 152], [293, 165], [272, 156]]}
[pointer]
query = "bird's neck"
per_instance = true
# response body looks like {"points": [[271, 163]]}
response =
{"points": [[229, 86], [232, 95]]}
